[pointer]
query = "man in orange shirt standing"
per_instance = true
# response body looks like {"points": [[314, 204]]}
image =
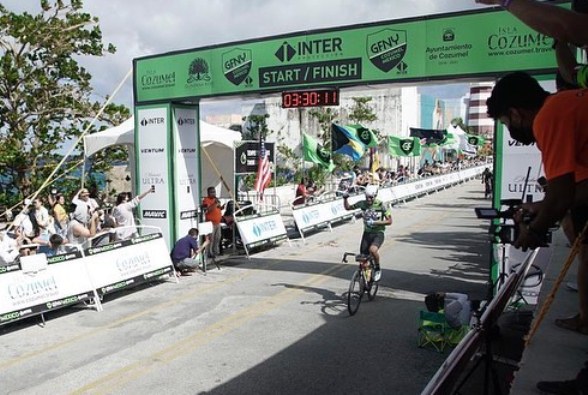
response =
{"points": [[213, 212], [558, 124]]}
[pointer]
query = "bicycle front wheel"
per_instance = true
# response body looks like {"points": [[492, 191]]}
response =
{"points": [[356, 288], [373, 289]]}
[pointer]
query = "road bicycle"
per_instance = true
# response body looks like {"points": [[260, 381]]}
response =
{"points": [[362, 281]]}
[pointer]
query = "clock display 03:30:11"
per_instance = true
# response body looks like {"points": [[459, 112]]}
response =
{"points": [[310, 98]]}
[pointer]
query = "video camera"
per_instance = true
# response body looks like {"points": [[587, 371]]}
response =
{"points": [[507, 233]]}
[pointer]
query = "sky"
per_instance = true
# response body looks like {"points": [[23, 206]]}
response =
{"points": [[145, 27]]}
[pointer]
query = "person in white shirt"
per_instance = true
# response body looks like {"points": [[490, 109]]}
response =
{"points": [[8, 249], [123, 214], [83, 225]]}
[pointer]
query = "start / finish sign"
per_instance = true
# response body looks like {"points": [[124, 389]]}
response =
{"points": [[482, 43]]}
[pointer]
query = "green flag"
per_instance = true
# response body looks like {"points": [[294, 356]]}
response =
{"points": [[314, 152], [476, 140], [365, 135], [410, 146]]}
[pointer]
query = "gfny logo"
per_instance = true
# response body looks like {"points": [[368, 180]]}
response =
{"points": [[237, 66], [407, 145], [386, 50]]}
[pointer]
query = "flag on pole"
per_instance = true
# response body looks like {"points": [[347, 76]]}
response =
{"points": [[264, 171], [365, 135], [314, 152], [344, 141], [410, 146]]}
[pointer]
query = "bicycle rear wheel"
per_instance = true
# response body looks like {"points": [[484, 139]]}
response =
{"points": [[356, 288]]}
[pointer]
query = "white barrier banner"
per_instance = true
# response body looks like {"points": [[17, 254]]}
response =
{"points": [[257, 229], [127, 263], [323, 213], [309, 216], [62, 283]]}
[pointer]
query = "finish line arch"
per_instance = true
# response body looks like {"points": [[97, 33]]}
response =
{"points": [[168, 87]]}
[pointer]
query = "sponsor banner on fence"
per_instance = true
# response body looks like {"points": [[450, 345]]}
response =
{"points": [[63, 282], [257, 229], [322, 213], [120, 265]]}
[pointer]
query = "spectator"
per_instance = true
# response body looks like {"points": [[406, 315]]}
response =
{"points": [[213, 212], [185, 251], [123, 213], [8, 249], [557, 124], [302, 194], [83, 225], [456, 307], [59, 212], [55, 245], [44, 221], [83, 197]]}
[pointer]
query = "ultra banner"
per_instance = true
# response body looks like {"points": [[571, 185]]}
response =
{"points": [[486, 42]]}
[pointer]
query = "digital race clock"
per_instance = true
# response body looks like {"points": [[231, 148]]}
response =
{"points": [[310, 98]]}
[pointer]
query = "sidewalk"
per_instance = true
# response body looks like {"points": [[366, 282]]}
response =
{"points": [[554, 354]]}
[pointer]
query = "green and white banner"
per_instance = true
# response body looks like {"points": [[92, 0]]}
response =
{"points": [[483, 43]]}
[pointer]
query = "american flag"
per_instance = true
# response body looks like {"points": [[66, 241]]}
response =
{"points": [[264, 171]]}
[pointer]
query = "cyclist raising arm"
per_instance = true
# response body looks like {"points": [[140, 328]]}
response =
{"points": [[376, 216]]}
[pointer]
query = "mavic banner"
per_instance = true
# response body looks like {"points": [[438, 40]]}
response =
{"points": [[63, 282], [127, 263], [485, 42]]}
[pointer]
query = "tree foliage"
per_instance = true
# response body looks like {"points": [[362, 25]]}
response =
{"points": [[45, 94]]}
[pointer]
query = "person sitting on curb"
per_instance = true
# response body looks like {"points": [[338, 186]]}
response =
{"points": [[185, 251]]}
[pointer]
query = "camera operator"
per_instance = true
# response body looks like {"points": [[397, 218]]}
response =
{"points": [[557, 124]]}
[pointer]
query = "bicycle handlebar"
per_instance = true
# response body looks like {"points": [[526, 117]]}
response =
{"points": [[346, 254]]}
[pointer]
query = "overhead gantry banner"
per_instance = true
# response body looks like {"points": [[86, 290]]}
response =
{"points": [[470, 44]]}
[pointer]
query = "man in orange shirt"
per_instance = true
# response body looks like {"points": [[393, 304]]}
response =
{"points": [[558, 124], [213, 212]]}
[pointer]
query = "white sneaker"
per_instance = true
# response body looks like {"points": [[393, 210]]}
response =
{"points": [[377, 275]]}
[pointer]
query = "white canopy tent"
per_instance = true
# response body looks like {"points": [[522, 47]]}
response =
{"points": [[217, 146]]}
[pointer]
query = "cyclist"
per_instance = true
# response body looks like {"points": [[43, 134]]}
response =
{"points": [[376, 216]]}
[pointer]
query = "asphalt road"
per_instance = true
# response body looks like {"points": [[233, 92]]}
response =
{"points": [[274, 324]]}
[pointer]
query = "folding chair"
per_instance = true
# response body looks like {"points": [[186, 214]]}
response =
{"points": [[435, 331]]}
